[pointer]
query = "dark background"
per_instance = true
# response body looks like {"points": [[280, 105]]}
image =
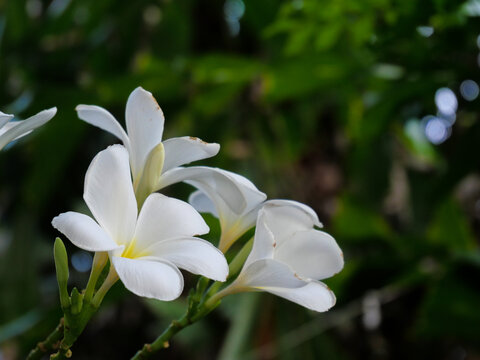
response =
{"points": [[331, 103]]}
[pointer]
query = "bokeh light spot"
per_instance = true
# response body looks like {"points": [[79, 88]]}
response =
{"points": [[33, 8], [436, 130], [82, 261], [233, 10], [152, 15], [58, 7], [469, 90], [372, 315], [446, 101], [297, 4], [425, 31]]}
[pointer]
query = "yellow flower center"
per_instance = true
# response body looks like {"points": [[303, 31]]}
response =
{"points": [[132, 251]]}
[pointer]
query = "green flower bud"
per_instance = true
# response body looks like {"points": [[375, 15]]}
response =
{"points": [[77, 301], [61, 265]]}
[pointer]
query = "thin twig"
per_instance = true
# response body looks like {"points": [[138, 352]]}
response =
{"points": [[49, 344]]}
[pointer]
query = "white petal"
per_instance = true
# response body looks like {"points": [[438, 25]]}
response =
{"points": [[225, 205], [244, 222], [301, 209], [192, 254], [206, 178], [284, 218], [99, 117], [313, 254], [83, 232], [314, 295], [242, 180], [233, 226], [269, 273], [216, 183], [163, 218], [184, 150], [151, 279], [263, 242], [234, 221], [21, 128], [145, 121], [109, 193], [4, 118], [10, 125], [202, 203]]}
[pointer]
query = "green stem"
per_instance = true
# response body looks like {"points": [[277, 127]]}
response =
{"points": [[61, 354], [99, 262], [76, 321], [198, 309], [74, 325], [214, 300], [195, 311], [111, 279], [239, 259], [50, 344], [234, 268], [162, 341], [213, 289]]}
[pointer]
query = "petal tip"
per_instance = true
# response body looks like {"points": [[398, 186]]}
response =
{"points": [[55, 220], [2, 114], [140, 91], [52, 110]]}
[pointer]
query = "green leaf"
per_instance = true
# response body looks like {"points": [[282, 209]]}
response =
{"points": [[450, 228], [450, 309], [355, 221]]}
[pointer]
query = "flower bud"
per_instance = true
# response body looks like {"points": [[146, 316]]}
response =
{"points": [[77, 301], [151, 174], [61, 265]]}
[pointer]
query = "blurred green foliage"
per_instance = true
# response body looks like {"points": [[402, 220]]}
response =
{"points": [[317, 101]]}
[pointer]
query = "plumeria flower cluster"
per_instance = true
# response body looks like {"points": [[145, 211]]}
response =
{"points": [[149, 236], [143, 237]]}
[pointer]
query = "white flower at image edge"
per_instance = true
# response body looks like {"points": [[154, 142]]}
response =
{"points": [[289, 257], [147, 251], [12, 130], [156, 164]]}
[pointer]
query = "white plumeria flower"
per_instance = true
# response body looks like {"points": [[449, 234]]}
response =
{"points": [[12, 130], [156, 164], [147, 251], [233, 225], [289, 256]]}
